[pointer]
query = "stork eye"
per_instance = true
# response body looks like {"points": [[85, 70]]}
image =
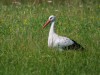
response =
{"points": [[50, 17]]}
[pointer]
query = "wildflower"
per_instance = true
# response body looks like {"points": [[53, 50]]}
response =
{"points": [[49, 1]]}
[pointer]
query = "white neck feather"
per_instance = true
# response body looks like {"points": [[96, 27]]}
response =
{"points": [[52, 30], [51, 35]]}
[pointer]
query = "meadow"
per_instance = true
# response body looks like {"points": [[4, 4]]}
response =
{"points": [[23, 41]]}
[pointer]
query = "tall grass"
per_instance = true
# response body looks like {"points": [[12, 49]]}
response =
{"points": [[23, 42], [72, 2]]}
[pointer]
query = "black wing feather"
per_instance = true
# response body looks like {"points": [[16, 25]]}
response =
{"points": [[75, 46]]}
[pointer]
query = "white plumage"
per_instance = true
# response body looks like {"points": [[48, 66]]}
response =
{"points": [[57, 41]]}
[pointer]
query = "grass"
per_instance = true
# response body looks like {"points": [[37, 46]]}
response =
{"points": [[23, 42]]}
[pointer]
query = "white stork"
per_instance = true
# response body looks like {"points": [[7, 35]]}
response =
{"points": [[57, 41]]}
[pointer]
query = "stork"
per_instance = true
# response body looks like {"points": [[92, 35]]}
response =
{"points": [[61, 42]]}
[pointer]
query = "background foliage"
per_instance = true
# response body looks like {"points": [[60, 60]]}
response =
{"points": [[7, 2], [23, 42]]}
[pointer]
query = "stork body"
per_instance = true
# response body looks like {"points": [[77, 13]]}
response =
{"points": [[56, 41]]}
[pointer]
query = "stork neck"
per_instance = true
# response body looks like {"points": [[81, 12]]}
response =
{"points": [[52, 30]]}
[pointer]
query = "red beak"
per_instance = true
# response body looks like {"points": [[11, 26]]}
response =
{"points": [[46, 23]]}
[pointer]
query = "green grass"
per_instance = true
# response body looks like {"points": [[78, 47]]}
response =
{"points": [[23, 42]]}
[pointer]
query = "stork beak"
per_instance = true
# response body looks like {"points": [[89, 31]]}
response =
{"points": [[46, 23]]}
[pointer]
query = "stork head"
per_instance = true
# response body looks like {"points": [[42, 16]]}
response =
{"points": [[51, 19]]}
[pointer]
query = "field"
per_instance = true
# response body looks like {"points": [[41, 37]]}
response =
{"points": [[23, 41]]}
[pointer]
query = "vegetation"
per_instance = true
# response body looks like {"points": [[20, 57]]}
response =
{"points": [[8, 2], [23, 42]]}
